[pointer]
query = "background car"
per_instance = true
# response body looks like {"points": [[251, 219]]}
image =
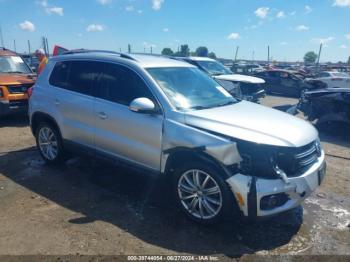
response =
{"points": [[16, 78], [240, 86], [334, 79], [283, 82]]}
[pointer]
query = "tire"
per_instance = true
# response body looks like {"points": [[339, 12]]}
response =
{"points": [[49, 143], [223, 202]]}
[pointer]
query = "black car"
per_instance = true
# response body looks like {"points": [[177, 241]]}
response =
{"points": [[286, 83], [326, 105]]}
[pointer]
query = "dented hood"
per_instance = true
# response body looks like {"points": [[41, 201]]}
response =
{"points": [[241, 78], [251, 122]]}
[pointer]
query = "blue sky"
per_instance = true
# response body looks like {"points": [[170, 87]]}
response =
{"points": [[291, 28]]}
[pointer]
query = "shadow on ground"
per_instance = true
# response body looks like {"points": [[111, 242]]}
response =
{"points": [[142, 206], [16, 120]]}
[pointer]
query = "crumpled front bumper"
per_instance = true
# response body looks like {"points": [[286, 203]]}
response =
{"points": [[249, 190]]}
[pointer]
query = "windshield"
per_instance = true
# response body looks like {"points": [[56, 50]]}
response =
{"points": [[214, 68], [190, 88], [13, 64]]}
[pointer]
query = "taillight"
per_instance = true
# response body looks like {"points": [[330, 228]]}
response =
{"points": [[30, 91]]}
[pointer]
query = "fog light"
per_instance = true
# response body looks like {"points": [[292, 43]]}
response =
{"points": [[273, 201]]}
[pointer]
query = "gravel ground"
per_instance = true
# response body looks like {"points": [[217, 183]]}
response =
{"points": [[90, 207]]}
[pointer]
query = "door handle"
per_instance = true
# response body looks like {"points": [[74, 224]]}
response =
{"points": [[102, 115], [57, 102]]}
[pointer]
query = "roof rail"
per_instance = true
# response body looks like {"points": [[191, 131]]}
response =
{"points": [[82, 51]]}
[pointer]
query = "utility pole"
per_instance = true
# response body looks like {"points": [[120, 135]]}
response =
{"points": [[47, 47], [120, 49], [129, 48], [268, 54], [236, 53], [28, 47], [253, 56], [14, 45], [318, 58], [1, 38], [151, 49]]}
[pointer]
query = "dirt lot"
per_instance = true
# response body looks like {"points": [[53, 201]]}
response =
{"points": [[89, 207]]}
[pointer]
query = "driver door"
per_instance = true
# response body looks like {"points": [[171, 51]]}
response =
{"points": [[120, 132]]}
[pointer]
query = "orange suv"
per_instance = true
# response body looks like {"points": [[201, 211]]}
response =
{"points": [[16, 78]]}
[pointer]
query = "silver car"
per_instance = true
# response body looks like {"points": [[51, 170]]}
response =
{"points": [[167, 117]]}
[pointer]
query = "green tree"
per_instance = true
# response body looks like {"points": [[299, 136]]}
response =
{"points": [[202, 51], [184, 51], [167, 51], [310, 57], [212, 55]]}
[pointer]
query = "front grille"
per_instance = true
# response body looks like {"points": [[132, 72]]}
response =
{"points": [[296, 161], [18, 89]]}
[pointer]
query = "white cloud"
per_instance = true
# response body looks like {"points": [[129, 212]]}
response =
{"points": [[341, 3], [302, 28], [293, 13], [308, 9], [95, 28], [157, 4], [262, 12], [55, 10], [130, 8], [43, 3], [323, 41], [283, 43], [140, 11], [104, 2], [347, 36], [281, 14], [27, 26], [343, 46], [233, 36], [165, 29]]}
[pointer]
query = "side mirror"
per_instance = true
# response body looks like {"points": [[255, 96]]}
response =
{"points": [[142, 105]]}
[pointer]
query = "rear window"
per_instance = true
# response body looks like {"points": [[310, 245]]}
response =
{"points": [[76, 76]]}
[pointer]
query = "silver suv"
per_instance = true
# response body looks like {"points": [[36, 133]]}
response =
{"points": [[166, 116]]}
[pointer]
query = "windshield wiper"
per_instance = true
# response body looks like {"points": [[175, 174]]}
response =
{"points": [[14, 72], [226, 103]]}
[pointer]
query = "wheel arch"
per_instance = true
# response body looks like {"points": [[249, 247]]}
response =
{"points": [[39, 117]]}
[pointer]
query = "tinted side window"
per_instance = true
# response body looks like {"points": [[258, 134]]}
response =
{"points": [[77, 76], [121, 85], [59, 74], [82, 75]]}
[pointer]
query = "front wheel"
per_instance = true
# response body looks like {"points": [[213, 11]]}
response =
{"points": [[49, 143], [202, 193]]}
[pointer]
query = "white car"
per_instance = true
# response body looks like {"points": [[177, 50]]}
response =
{"points": [[334, 79]]}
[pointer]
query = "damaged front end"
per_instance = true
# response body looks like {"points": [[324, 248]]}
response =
{"points": [[275, 179], [326, 105]]}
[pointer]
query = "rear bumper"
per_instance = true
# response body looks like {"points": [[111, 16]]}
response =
{"points": [[13, 106], [255, 192]]}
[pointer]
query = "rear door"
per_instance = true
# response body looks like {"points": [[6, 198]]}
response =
{"points": [[72, 84], [122, 133]]}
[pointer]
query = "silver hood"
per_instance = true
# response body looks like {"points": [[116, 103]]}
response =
{"points": [[255, 123]]}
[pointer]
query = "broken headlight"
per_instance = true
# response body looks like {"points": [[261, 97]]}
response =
{"points": [[257, 160]]}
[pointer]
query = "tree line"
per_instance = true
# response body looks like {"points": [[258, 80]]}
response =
{"points": [[184, 50]]}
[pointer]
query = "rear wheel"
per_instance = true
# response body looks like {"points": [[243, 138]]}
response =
{"points": [[49, 143], [202, 193]]}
